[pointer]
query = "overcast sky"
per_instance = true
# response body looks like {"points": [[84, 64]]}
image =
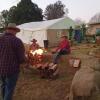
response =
{"points": [[83, 9]]}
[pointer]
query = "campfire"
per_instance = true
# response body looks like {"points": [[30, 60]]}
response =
{"points": [[36, 57], [40, 60], [37, 52]]}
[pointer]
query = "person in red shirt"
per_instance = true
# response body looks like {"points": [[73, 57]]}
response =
{"points": [[62, 49], [34, 45]]}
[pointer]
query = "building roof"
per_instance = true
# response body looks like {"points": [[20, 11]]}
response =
{"points": [[95, 19], [60, 23]]}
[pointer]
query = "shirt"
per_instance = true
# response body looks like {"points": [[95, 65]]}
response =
{"points": [[12, 54], [34, 46], [64, 45]]}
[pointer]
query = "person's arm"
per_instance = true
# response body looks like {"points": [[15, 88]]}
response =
{"points": [[58, 49], [37, 46], [20, 51], [30, 47], [64, 44], [60, 46]]}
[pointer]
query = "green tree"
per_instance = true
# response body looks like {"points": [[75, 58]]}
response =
{"points": [[26, 11], [54, 11], [83, 29], [71, 33], [4, 17], [11, 14], [2, 21]]}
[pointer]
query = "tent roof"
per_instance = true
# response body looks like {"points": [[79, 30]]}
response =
{"points": [[61, 23]]}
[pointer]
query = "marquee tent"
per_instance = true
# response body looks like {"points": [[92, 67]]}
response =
{"points": [[49, 30]]}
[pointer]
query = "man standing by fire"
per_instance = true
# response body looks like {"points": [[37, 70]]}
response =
{"points": [[12, 55]]}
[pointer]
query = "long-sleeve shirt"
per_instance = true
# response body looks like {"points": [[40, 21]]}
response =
{"points": [[64, 45], [12, 54], [34, 46]]}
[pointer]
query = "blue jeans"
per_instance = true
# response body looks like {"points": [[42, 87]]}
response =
{"points": [[57, 55], [7, 86]]}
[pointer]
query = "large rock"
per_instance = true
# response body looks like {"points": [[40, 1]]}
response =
{"points": [[86, 80]]}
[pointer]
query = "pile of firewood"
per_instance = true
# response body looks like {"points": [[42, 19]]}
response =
{"points": [[48, 70], [43, 65]]}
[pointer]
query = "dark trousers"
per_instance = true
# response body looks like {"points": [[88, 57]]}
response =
{"points": [[57, 55], [7, 86]]}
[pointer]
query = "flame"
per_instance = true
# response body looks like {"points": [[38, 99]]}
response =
{"points": [[38, 51]]}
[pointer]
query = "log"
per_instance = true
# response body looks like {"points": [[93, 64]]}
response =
{"points": [[56, 72], [53, 67], [51, 64], [39, 66], [45, 66]]}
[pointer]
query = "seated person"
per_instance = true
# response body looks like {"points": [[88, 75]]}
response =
{"points": [[34, 45], [62, 49]]}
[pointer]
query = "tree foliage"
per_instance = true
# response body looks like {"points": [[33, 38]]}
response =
{"points": [[11, 14], [4, 17], [24, 12], [1, 21], [55, 10]]}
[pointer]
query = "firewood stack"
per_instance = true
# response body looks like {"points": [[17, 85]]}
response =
{"points": [[41, 62], [48, 70]]}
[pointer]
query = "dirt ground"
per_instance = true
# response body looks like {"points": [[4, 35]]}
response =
{"points": [[31, 87]]}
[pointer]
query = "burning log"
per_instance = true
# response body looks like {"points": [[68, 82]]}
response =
{"points": [[38, 59], [35, 57]]}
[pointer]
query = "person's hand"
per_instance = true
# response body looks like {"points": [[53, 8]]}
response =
{"points": [[54, 50], [58, 50]]}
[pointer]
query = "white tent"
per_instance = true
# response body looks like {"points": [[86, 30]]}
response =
{"points": [[42, 30]]}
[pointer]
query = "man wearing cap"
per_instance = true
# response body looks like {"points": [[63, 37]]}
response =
{"points": [[12, 54], [62, 49]]}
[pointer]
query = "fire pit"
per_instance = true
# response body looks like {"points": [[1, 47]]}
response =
{"points": [[38, 56], [40, 59]]}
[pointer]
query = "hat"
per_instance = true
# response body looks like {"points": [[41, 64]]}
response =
{"points": [[13, 27], [34, 40]]}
